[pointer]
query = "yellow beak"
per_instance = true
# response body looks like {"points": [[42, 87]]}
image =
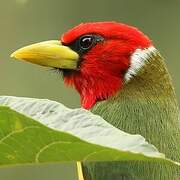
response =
{"points": [[48, 53]]}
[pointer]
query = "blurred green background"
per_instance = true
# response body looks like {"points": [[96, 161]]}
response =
{"points": [[27, 21]]}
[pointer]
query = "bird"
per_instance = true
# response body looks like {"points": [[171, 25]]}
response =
{"points": [[123, 78]]}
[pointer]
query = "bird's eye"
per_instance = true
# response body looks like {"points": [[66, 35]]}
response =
{"points": [[86, 42]]}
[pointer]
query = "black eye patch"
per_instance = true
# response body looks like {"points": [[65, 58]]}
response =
{"points": [[85, 42]]}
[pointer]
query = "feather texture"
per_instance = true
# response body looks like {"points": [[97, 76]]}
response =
{"points": [[146, 105]]}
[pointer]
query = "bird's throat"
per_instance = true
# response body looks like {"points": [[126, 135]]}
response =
{"points": [[95, 89], [101, 90], [96, 86]]}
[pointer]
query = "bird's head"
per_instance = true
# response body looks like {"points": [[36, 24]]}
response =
{"points": [[94, 57]]}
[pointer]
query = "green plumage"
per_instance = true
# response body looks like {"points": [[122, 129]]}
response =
{"points": [[146, 105]]}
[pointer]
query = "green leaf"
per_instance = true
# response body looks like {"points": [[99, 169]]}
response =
{"points": [[81, 123], [24, 140]]}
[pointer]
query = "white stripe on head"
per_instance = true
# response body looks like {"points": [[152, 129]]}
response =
{"points": [[138, 60]]}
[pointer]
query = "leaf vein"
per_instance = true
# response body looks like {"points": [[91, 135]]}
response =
{"points": [[16, 132], [47, 146]]}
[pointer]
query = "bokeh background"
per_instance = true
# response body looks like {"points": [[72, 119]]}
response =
{"points": [[27, 21]]}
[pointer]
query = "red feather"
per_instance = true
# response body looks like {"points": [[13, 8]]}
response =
{"points": [[103, 67]]}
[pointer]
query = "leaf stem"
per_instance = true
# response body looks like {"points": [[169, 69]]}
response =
{"points": [[79, 170]]}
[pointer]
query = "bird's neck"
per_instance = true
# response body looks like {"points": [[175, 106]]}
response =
{"points": [[146, 105], [149, 80]]}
